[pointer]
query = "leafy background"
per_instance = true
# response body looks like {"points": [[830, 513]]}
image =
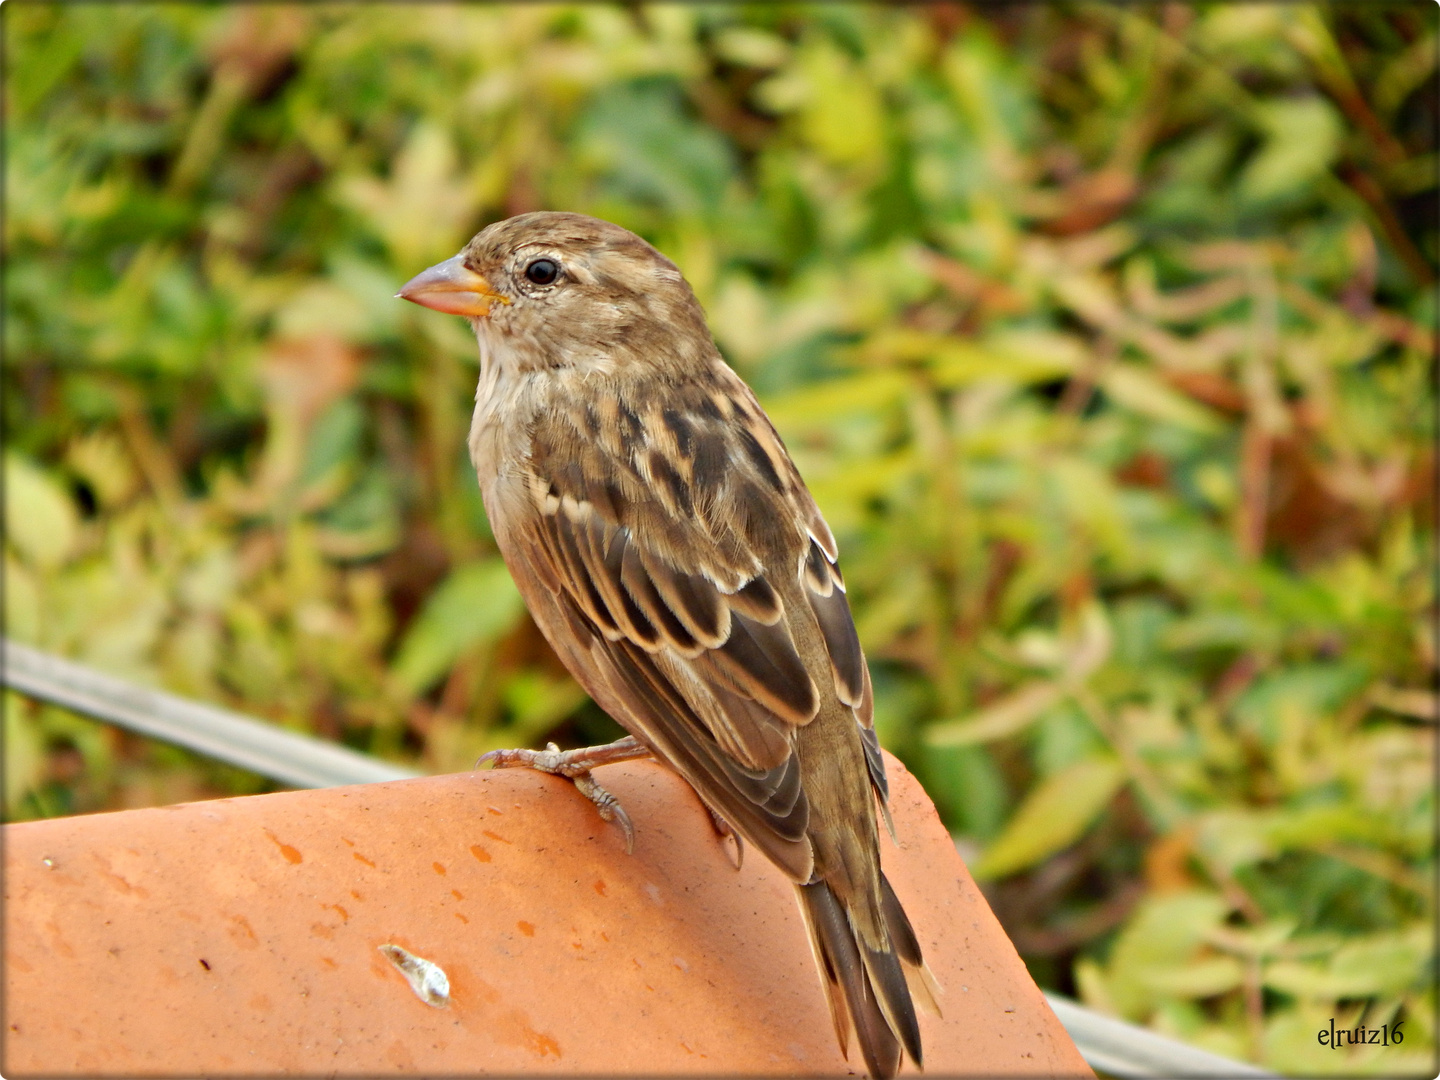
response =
{"points": [[1104, 335]]}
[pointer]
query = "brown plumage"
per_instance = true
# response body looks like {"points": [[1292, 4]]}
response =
{"points": [[671, 554]]}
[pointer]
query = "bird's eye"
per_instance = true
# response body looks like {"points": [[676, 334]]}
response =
{"points": [[543, 271]]}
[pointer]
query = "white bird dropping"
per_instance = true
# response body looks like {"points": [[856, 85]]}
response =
{"points": [[426, 978]]}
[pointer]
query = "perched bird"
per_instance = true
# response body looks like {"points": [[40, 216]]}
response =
{"points": [[672, 556]]}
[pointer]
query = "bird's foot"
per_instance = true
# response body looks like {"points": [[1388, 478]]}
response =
{"points": [[724, 828], [575, 766]]}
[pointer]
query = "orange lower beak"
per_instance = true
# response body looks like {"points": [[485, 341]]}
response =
{"points": [[451, 287]]}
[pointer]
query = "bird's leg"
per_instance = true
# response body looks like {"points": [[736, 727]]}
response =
{"points": [[575, 766]]}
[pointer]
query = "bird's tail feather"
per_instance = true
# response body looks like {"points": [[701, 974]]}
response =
{"points": [[870, 989], [923, 986]]}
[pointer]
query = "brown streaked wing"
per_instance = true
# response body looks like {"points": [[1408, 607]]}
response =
{"points": [[641, 588], [842, 642], [766, 805], [825, 589], [708, 676], [696, 602], [603, 552], [761, 662]]}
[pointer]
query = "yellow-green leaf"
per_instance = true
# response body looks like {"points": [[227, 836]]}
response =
{"points": [[1053, 816], [1139, 390], [1010, 714], [1200, 979], [1379, 964], [476, 603], [40, 519], [24, 752]]}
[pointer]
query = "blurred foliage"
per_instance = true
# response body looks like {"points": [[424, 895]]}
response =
{"points": [[1103, 335]]}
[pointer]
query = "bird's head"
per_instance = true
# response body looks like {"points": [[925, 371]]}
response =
{"points": [[557, 289]]}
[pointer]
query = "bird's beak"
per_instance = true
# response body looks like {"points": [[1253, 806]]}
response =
{"points": [[451, 287]]}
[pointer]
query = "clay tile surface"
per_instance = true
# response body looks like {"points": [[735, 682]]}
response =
{"points": [[243, 936]]}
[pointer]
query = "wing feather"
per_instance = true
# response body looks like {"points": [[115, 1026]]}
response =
{"points": [[602, 549], [566, 544], [695, 602], [642, 590], [757, 600], [768, 805], [761, 662]]}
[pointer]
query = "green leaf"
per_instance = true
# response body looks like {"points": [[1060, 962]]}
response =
{"points": [[364, 522], [1318, 827], [40, 518], [1232, 837], [23, 610], [1014, 356], [1198, 979], [1381, 964], [841, 114], [960, 364], [475, 604], [825, 402], [24, 751], [1011, 714], [1216, 629], [968, 786], [1163, 935], [1053, 816], [537, 702], [1138, 389], [1063, 736], [422, 211], [1086, 494], [650, 152], [331, 452], [1302, 140], [1307, 692], [1078, 658]]}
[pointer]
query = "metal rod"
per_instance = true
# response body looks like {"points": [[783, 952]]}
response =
{"points": [[226, 736], [1111, 1047], [1115, 1048]]}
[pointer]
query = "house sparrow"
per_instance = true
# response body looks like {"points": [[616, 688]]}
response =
{"points": [[671, 554]]}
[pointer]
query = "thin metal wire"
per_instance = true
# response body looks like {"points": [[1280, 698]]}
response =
{"points": [[226, 736], [1111, 1047]]}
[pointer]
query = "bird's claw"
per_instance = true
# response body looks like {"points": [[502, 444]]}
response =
{"points": [[550, 760], [607, 805], [575, 766], [725, 829]]}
